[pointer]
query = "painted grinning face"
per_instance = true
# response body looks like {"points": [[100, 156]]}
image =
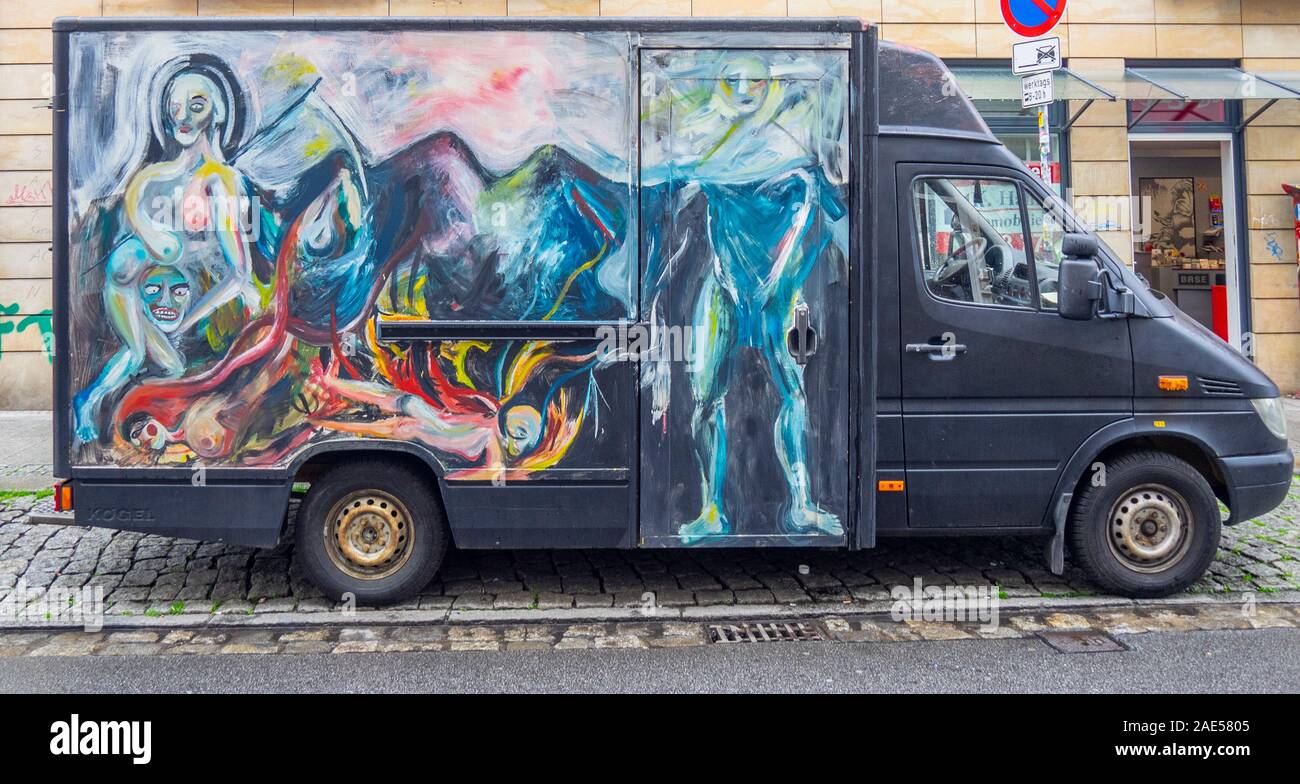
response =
{"points": [[166, 295], [193, 105]]}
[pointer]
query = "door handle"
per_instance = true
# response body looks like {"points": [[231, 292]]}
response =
{"points": [[939, 352], [801, 338]]}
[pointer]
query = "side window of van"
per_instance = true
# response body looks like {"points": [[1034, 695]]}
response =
{"points": [[972, 241]]}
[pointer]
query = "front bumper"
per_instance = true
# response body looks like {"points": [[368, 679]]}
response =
{"points": [[1256, 483]]}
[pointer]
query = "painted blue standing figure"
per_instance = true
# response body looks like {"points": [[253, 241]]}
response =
{"points": [[745, 146]]}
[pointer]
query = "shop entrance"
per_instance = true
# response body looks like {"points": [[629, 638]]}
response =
{"points": [[1185, 224]]}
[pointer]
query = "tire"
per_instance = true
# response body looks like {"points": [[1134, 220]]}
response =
{"points": [[1151, 530], [373, 529]]}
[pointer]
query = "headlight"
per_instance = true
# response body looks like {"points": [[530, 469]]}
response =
{"points": [[1272, 414]]}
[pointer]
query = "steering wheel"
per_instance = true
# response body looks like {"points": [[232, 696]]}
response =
{"points": [[959, 259]]}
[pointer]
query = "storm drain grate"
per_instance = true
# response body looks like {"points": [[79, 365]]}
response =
{"points": [[1083, 641], [764, 631]]}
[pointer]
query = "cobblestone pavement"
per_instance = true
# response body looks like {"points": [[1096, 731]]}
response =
{"points": [[146, 576], [671, 634]]}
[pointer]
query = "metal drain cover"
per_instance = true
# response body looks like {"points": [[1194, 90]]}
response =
{"points": [[764, 631], [1082, 641]]}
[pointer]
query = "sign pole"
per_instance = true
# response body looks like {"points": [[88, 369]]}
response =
{"points": [[1044, 138]]}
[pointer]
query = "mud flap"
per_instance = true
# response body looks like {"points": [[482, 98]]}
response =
{"points": [[1056, 544]]}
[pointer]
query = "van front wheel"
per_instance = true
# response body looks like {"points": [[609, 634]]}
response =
{"points": [[372, 530], [1151, 529]]}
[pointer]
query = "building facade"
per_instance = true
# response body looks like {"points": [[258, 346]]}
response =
{"points": [[1178, 127]]}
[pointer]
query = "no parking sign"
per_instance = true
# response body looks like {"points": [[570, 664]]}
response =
{"points": [[1032, 18]]}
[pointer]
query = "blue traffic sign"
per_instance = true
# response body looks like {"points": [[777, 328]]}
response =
{"points": [[1032, 18]]}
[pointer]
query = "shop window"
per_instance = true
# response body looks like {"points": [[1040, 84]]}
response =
{"points": [[1179, 113]]}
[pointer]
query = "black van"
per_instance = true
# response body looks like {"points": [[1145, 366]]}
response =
{"points": [[530, 283]]}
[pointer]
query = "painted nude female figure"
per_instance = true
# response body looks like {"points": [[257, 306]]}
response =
{"points": [[182, 212]]}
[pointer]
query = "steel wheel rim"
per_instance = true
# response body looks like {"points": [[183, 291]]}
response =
{"points": [[368, 534], [1150, 528]]}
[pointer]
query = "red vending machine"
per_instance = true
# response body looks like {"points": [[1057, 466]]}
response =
{"points": [[1294, 190]]}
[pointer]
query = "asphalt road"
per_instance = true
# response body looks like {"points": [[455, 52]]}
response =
{"points": [[1205, 661]]}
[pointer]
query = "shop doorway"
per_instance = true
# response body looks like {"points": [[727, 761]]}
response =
{"points": [[1184, 187]]}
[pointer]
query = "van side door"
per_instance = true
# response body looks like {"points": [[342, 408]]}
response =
{"points": [[998, 390], [744, 212]]}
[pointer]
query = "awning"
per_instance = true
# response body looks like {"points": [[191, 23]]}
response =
{"points": [[999, 84], [1288, 79], [1146, 85], [1151, 85], [1213, 84]]}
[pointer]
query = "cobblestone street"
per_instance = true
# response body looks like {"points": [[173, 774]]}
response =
{"points": [[147, 577], [151, 576]]}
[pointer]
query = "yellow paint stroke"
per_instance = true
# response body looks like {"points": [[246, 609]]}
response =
{"points": [[382, 353], [289, 69], [316, 147], [564, 290], [533, 353], [457, 351], [722, 141], [403, 304], [557, 416], [226, 175], [763, 116]]}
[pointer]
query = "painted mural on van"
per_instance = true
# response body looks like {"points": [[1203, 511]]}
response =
{"points": [[246, 207]]}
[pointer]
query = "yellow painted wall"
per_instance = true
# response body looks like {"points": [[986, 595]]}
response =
{"points": [[1095, 33]]}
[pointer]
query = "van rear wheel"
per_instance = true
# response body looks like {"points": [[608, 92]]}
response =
{"points": [[372, 529], [1150, 530]]}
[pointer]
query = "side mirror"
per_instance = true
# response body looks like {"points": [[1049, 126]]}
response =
{"points": [[1078, 285]]}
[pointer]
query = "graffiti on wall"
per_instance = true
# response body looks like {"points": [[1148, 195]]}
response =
{"points": [[12, 323]]}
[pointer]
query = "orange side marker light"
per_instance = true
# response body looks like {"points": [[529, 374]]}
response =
{"points": [[1173, 383], [63, 497], [890, 485]]}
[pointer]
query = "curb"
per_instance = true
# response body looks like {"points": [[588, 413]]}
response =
{"points": [[810, 611]]}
